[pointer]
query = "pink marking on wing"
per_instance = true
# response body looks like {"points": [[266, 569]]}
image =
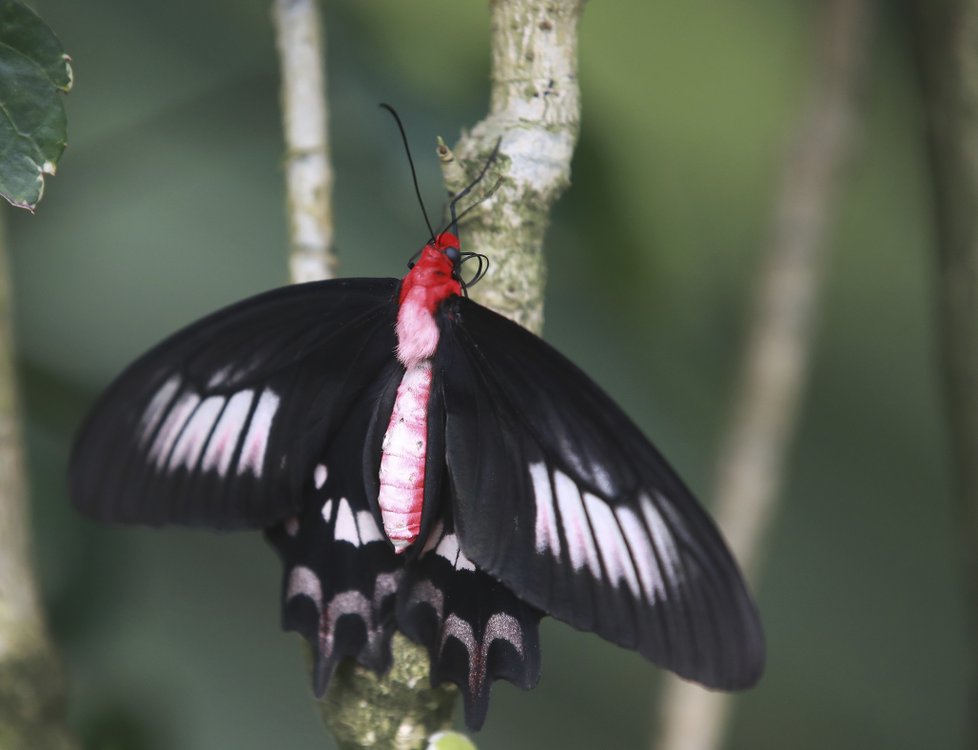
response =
{"points": [[157, 407], [227, 433], [195, 432], [580, 542], [545, 530], [256, 441], [171, 427]]}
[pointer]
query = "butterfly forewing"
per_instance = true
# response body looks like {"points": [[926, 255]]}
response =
{"points": [[559, 495], [220, 424]]}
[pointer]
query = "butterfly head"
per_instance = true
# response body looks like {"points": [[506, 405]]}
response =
{"points": [[435, 273], [438, 268]]}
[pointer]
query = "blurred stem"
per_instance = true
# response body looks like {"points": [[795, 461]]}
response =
{"points": [[534, 114], [751, 463], [947, 43], [309, 173], [32, 688]]}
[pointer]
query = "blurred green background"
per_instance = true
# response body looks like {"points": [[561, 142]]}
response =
{"points": [[168, 204]]}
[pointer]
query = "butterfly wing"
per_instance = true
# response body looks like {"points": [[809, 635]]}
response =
{"points": [[222, 424], [557, 493], [341, 575], [475, 629]]}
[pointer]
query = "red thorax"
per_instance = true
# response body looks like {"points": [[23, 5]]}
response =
{"points": [[432, 274]]}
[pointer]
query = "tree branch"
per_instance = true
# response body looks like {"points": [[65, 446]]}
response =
{"points": [[751, 463], [535, 114], [309, 172], [947, 46], [32, 689]]}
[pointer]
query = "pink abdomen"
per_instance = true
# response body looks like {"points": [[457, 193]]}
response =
{"points": [[402, 463]]}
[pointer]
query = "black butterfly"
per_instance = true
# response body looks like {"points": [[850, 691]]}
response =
{"points": [[341, 415]]}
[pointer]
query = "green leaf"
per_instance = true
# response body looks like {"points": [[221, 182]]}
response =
{"points": [[449, 741], [34, 71]]}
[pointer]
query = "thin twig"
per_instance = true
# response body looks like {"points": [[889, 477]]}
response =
{"points": [[32, 686], [309, 172], [751, 464], [947, 45]]}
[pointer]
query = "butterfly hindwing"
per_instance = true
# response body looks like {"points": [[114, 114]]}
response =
{"points": [[219, 424], [341, 574], [474, 628], [557, 494]]}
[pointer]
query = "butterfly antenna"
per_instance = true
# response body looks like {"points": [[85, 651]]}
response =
{"points": [[468, 189], [414, 174]]}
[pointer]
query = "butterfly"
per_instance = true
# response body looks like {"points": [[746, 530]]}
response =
{"points": [[422, 464]]}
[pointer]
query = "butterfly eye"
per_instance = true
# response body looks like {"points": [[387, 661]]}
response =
{"points": [[453, 254]]}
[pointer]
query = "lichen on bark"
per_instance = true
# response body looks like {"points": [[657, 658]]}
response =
{"points": [[399, 710]]}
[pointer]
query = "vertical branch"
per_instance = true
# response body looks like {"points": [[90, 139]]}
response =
{"points": [[309, 172], [751, 464], [534, 114], [947, 45], [32, 700]]}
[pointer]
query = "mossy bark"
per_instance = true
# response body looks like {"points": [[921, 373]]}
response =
{"points": [[400, 710]]}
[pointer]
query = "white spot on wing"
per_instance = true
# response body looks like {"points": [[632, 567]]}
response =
{"points": [[319, 475], [425, 592], [547, 536], [219, 377], [157, 406], [577, 531], [602, 479], [195, 432], [367, 527], [304, 582], [346, 526], [448, 548], [171, 427], [328, 511], [463, 563], [643, 554], [499, 627], [664, 543], [256, 441], [587, 472], [611, 544], [292, 525], [355, 603], [226, 435]]}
